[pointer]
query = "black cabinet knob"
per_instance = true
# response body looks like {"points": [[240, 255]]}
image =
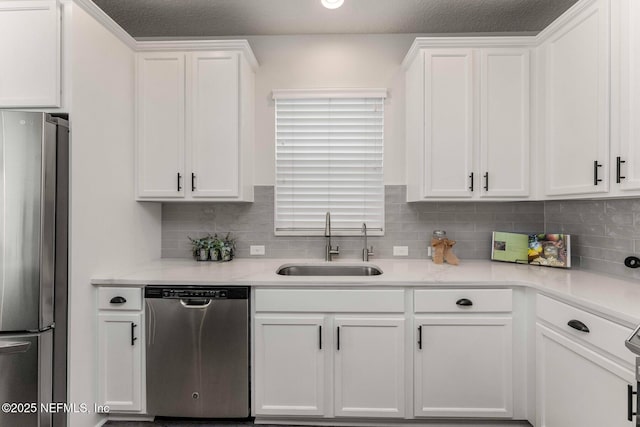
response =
{"points": [[464, 302], [118, 300], [578, 326]]}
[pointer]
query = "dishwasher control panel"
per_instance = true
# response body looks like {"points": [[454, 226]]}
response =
{"points": [[196, 292]]}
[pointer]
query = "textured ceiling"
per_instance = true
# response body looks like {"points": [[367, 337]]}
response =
{"points": [[214, 18]]}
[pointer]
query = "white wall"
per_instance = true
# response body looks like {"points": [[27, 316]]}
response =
{"points": [[109, 231], [330, 61]]}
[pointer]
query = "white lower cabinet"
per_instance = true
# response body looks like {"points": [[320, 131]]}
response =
{"points": [[329, 353], [463, 367], [121, 373], [583, 369], [369, 366], [578, 387], [293, 353], [289, 364], [120, 360]]}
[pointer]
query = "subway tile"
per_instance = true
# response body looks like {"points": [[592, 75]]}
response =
{"points": [[520, 217], [474, 217], [577, 206], [529, 207], [604, 242], [494, 226], [622, 231], [602, 231], [456, 207], [623, 205], [503, 207]]}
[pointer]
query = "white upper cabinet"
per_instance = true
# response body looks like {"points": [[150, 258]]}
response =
{"points": [[468, 121], [160, 125], [195, 124], [504, 122], [625, 154], [575, 110], [214, 102], [30, 42], [448, 122]]}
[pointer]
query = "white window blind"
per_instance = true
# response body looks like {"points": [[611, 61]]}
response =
{"points": [[329, 155]]}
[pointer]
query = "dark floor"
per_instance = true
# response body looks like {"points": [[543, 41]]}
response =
{"points": [[169, 422]]}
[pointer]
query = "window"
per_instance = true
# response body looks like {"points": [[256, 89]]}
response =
{"points": [[329, 153]]}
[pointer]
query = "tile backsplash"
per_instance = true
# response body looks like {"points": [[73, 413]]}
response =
{"points": [[407, 224], [603, 232]]}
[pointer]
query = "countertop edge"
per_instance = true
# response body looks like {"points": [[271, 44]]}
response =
{"points": [[289, 282]]}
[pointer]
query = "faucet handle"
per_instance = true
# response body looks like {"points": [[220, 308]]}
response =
{"points": [[371, 250]]}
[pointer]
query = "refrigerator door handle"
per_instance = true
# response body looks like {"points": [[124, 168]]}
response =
{"points": [[12, 347]]}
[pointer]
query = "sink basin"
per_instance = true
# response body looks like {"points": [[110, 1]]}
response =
{"points": [[328, 269]]}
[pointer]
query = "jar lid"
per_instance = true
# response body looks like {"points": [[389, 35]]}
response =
{"points": [[439, 234]]}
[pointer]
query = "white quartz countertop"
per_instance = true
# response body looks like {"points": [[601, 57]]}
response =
{"points": [[612, 297]]}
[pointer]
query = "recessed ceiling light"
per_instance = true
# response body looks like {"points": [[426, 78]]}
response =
{"points": [[332, 4]]}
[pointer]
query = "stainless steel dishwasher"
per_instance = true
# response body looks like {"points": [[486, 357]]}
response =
{"points": [[197, 351]]}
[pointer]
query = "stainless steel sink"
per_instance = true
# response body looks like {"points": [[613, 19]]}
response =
{"points": [[328, 269]]}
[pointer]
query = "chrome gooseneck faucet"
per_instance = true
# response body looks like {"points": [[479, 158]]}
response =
{"points": [[366, 253], [329, 251]]}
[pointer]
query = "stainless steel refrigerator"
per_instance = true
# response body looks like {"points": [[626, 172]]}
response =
{"points": [[33, 266]]}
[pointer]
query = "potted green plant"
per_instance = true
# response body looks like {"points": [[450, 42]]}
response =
{"points": [[228, 248], [200, 248], [216, 248]]}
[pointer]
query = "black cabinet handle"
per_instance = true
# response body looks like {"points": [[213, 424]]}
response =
{"points": [[179, 181], [630, 394], [118, 300], [486, 181], [578, 326], [464, 302], [619, 176], [320, 337], [596, 180], [420, 337], [338, 338], [193, 181], [133, 338], [471, 183]]}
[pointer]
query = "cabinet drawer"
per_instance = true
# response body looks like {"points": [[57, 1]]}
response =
{"points": [[132, 297], [453, 300], [604, 334], [335, 301]]}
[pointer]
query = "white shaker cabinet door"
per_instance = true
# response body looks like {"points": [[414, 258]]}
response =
{"points": [[463, 367], [448, 124], [504, 123], [577, 387], [29, 53], [627, 160], [290, 364], [576, 107], [120, 361], [161, 126], [369, 367], [214, 101]]}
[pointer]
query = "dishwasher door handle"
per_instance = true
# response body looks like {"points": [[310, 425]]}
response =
{"points": [[196, 303]]}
